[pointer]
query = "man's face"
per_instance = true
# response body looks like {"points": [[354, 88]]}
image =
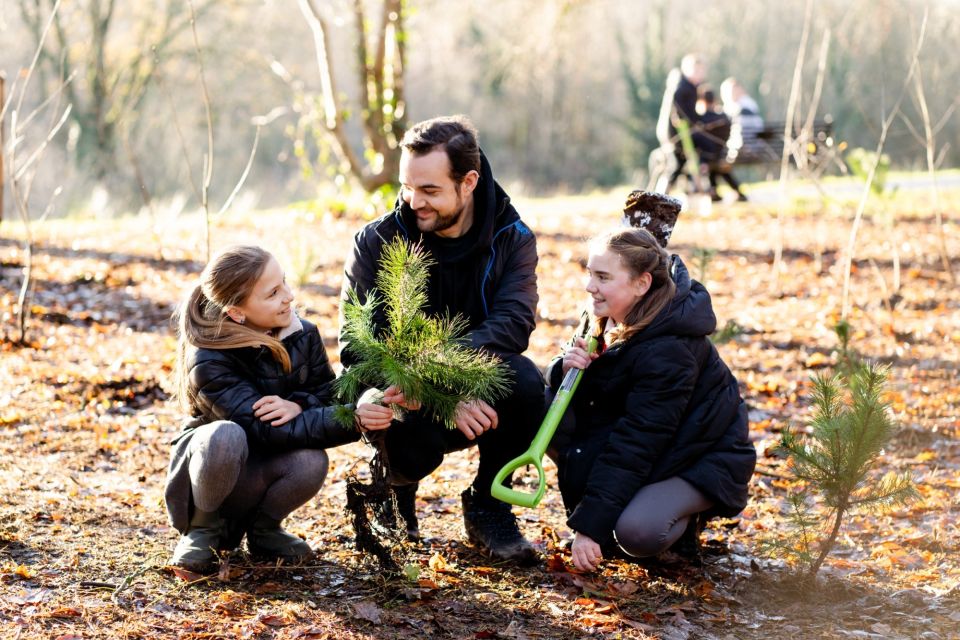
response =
{"points": [[438, 201]]}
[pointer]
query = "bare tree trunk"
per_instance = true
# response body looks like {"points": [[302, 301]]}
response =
{"points": [[382, 105]]}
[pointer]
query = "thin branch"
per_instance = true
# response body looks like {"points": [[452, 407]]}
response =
{"points": [[792, 106], [243, 176], [861, 206]]}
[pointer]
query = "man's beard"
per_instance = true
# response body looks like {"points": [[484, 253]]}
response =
{"points": [[442, 222]]}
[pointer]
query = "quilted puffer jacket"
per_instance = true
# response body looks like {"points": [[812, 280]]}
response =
{"points": [[224, 384]]}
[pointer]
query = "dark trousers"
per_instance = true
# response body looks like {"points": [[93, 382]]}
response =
{"points": [[417, 445]]}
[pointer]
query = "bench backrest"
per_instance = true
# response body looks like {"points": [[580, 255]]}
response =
{"points": [[765, 145]]}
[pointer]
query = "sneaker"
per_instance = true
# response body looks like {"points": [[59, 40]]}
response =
{"points": [[491, 525], [267, 539]]}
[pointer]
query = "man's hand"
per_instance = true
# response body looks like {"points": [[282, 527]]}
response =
{"points": [[474, 418], [276, 410], [585, 552], [577, 357]]}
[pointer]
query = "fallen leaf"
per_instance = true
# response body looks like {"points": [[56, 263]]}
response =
{"points": [[274, 620], [65, 612], [367, 610]]}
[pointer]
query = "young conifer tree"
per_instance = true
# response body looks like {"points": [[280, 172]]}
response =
{"points": [[836, 462], [426, 357]]}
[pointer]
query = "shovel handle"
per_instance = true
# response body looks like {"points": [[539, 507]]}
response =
{"points": [[534, 453]]}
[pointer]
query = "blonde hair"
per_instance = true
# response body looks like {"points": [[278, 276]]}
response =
{"points": [[202, 321], [640, 253]]}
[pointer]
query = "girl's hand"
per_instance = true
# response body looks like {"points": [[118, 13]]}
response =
{"points": [[276, 410], [372, 417], [393, 395], [585, 552], [577, 357]]}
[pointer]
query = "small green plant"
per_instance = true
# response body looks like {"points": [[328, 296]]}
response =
{"points": [[304, 260], [835, 464], [727, 332], [424, 356], [848, 360], [702, 257]]}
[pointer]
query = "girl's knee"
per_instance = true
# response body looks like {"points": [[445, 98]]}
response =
{"points": [[309, 466], [642, 542]]}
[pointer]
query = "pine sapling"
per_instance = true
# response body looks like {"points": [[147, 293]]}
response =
{"points": [[836, 462], [424, 356], [397, 344]]}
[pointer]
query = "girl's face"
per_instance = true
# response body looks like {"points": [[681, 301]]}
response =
{"points": [[268, 306], [613, 289]]}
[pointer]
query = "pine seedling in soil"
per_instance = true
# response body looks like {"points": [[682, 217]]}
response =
{"points": [[836, 464], [848, 360], [425, 357]]}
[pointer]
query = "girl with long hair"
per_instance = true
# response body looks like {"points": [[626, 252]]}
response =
{"points": [[656, 439], [256, 382]]}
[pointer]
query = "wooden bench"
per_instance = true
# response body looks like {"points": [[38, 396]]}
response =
{"points": [[813, 150]]}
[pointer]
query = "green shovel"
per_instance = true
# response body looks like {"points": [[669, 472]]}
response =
{"points": [[534, 454]]}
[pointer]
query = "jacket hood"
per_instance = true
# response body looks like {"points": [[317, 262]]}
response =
{"points": [[491, 211], [690, 313]]}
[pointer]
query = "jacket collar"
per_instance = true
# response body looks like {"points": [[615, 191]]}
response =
{"points": [[294, 326]]}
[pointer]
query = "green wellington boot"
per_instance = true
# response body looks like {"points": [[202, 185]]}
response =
{"points": [[197, 548], [267, 539]]}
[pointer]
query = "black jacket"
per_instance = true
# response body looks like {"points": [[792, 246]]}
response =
{"points": [[659, 405], [491, 281], [224, 384]]}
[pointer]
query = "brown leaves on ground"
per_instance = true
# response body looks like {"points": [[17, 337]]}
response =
{"points": [[86, 419]]}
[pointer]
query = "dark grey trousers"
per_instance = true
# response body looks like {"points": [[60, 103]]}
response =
{"points": [[226, 475], [657, 516]]}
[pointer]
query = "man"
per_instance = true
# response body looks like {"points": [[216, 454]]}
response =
{"points": [[680, 103], [485, 270]]}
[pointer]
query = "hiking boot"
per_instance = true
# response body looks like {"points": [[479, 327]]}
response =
{"points": [[491, 525], [197, 548], [406, 496], [267, 539]]}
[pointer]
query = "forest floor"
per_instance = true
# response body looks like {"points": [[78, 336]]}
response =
{"points": [[86, 420]]}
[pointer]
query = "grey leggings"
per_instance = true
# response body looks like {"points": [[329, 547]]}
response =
{"points": [[657, 516], [227, 476]]}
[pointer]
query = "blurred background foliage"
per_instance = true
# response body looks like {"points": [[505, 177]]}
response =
{"points": [[565, 93]]}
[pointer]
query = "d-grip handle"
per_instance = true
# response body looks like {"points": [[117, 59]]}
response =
{"points": [[534, 453]]}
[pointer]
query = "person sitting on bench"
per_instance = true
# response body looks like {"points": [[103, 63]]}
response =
{"points": [[710, 140]]}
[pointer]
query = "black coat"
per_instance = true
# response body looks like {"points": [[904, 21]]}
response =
{"points": [[224, 384], [491, 280], [661, 404]]}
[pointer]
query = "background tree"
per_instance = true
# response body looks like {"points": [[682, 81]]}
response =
{"points": [[381, 103], [117, 55]]}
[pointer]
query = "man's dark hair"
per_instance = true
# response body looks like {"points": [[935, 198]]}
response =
{"points": [[455, 134]]}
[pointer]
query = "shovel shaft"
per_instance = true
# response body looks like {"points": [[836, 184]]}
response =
{"points": [[538, 447]]}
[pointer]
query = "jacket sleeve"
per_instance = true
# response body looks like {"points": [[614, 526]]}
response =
{"points": [[663, 382], [228, 396], [317, 389], [359, 275], [511, 313]]}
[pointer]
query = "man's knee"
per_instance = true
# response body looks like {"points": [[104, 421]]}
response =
{"points": [[528, 384]]}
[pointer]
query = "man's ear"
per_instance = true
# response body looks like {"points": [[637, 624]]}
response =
{"points": [[235, 314], [469, 182]]}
